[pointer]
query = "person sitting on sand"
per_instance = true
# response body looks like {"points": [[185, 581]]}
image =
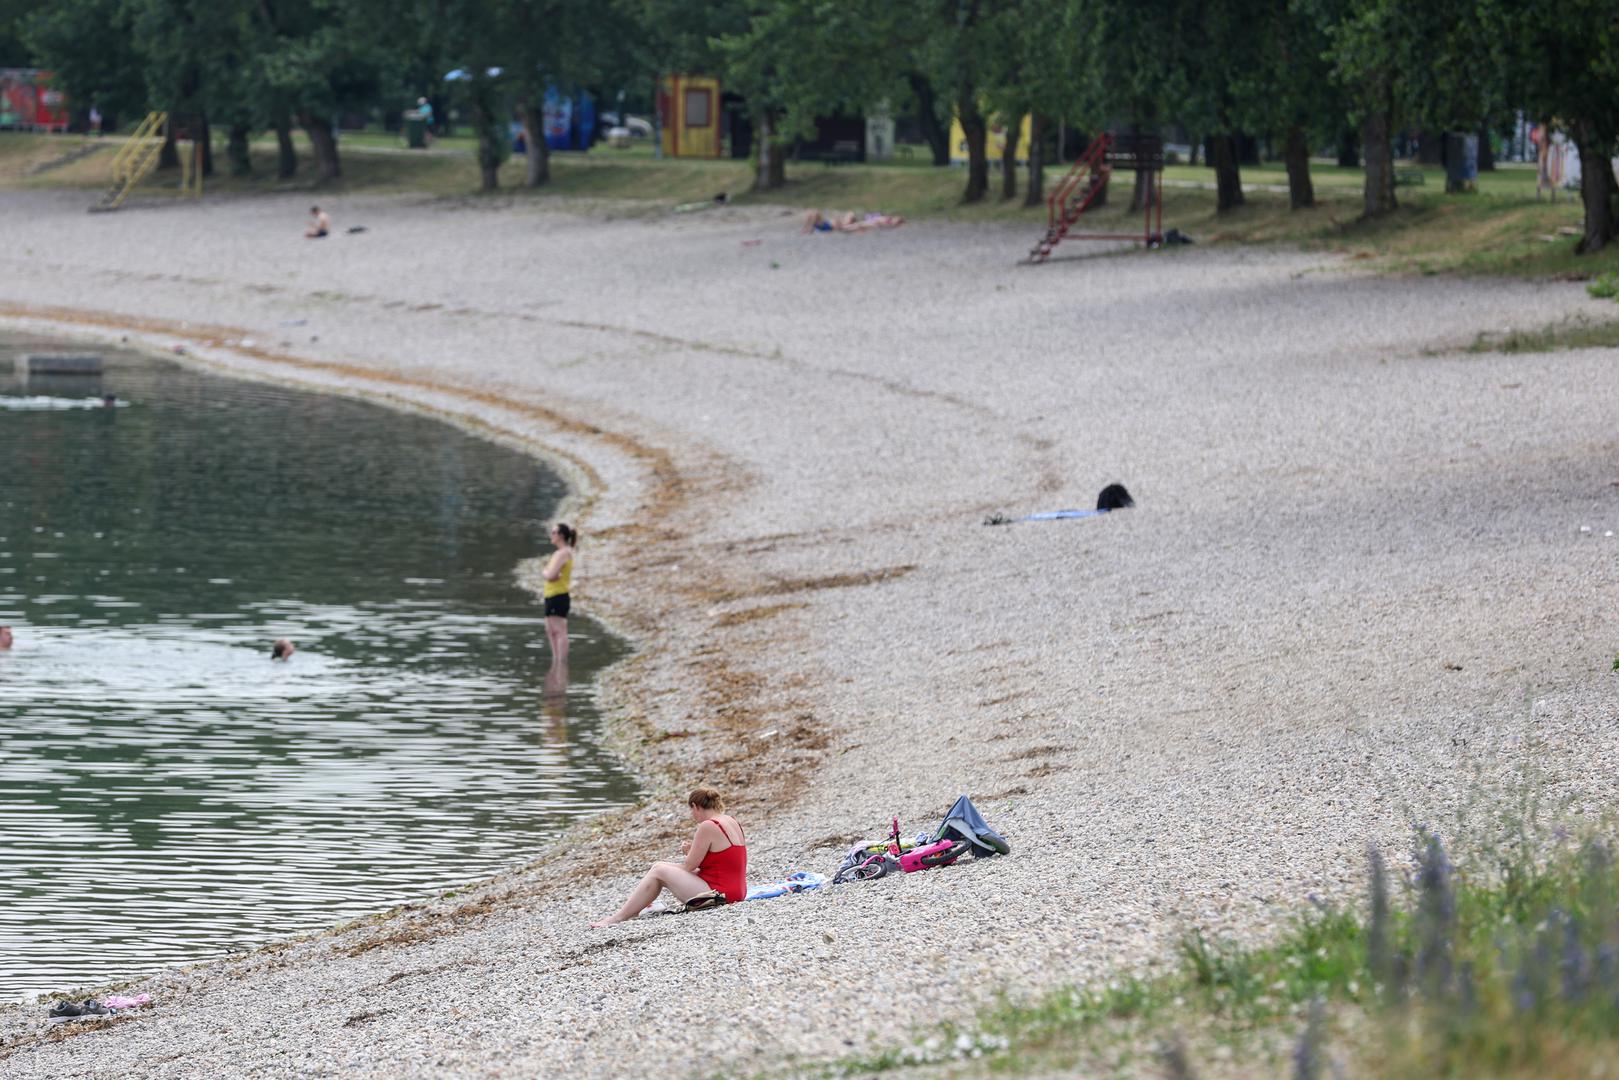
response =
{"points": [[282, 649], [321, 226], [716, 858]]}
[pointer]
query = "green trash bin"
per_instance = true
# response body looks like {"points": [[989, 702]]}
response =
{"points": [[415, 131]]}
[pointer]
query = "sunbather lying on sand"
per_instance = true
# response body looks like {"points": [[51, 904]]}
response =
{"points": [[816, 221], [716, 858]]}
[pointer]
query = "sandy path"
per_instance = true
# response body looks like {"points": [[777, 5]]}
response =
{"points": [[1356, 566]]}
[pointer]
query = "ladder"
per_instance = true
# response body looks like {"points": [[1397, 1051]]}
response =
{"points": [[1073, 195], [135, 159]]}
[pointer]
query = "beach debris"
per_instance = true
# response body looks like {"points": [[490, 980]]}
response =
{"points": [[352, 229]]}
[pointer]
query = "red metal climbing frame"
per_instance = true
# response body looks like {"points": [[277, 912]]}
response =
{"points": [[1088, 178]]}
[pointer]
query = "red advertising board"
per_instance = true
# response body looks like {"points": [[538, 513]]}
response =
{"points": [[28, 101]]}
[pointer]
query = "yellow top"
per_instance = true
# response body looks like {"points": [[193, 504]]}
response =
{"points": [[559, 587]]}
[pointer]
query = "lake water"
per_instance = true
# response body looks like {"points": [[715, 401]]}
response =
{"points": [[167, 792]]}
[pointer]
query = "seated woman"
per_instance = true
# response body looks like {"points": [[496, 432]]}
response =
{"points": [[716, 858]]}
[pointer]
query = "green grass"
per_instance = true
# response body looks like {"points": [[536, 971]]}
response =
{"points": [[1501, 230], [1507, 966], [1577, 334]]}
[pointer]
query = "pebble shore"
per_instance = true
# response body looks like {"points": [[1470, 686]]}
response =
{"points": [[1367, 573]]}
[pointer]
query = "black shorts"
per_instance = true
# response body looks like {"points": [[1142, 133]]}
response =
{"points": [[557, 605]]}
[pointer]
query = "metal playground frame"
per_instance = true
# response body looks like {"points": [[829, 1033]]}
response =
{"points": [[1084, 183]]}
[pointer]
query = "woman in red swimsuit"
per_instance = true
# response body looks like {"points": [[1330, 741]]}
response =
{"points": [[716, 858]]}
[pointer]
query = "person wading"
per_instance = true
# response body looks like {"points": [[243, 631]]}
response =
{"points": [[558, 574]]}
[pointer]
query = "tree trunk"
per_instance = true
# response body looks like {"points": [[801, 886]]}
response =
{"points": [[1227, 174], [1486, 152], [168, 157], [286, 166], [1455, 161], [488, 160], [1036, 193], [1009, 161], [927, 118], [1192, 155], [1379, 152], [241, 161], [327, 165], [205, 139], [771, 171], [1430, 147], [1596, 189], [1349, 149], [490, 134], [976, 130], [1144, 193], [537, 167], [1300, 191]]}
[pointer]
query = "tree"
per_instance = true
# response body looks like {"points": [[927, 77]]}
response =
{"points": [[318, 58], [14, 49], [88, 46], [1365, 49], [1143, 68], [1562, 64], [795, 60], [1036, 43]]}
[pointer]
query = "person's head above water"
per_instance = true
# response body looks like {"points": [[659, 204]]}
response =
{"points": [[563, 533], [5, 637], [282, 649]]}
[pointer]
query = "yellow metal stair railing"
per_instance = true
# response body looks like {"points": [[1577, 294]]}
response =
{"points": [[135, 159]]}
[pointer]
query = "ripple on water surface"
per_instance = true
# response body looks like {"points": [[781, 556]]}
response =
{"points": [[167, 792]]}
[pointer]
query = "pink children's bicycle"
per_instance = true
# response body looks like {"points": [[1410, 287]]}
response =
{"points": [[868, 862]]}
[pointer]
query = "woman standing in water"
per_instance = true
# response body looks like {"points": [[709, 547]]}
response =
{"points": [[558, 574]]}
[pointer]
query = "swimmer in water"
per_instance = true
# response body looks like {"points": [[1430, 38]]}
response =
{"points": [[5, 637], [282, 649]]}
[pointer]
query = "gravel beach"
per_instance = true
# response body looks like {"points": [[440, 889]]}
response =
{"points": [[1367, 573]]}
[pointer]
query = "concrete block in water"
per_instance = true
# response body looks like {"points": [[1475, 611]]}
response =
{"points": [[59, 364]]}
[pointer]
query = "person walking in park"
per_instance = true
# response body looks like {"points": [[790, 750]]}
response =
{"points": [[558, 574]]}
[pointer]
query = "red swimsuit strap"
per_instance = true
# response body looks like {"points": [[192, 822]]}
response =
{"points": [[727, 835]]}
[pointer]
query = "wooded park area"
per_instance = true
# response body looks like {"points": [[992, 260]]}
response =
{"points": [[1350, 75]]}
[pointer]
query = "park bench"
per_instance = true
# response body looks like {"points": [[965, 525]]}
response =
{"points": [[1409, 178]]}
